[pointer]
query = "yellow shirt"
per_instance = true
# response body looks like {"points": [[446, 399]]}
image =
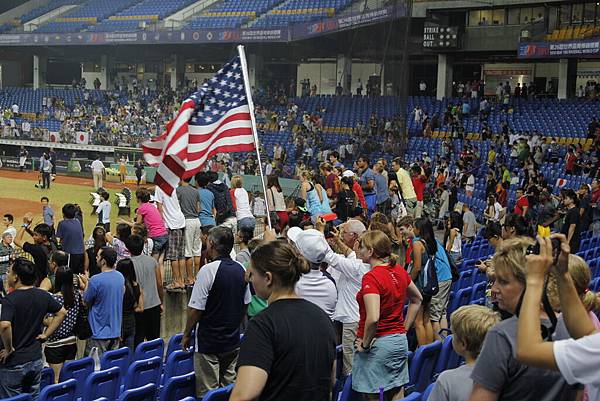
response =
{"points": [[491, 156], [408, 191]]}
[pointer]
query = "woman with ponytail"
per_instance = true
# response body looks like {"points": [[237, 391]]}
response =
{"points": [[289, 348], [381, 357]]}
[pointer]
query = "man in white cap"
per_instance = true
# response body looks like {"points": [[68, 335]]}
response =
{"points": [[348, 271], [315, 286]]}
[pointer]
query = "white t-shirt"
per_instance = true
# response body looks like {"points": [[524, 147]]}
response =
{"points": [[470, 183], [172, 214], [104, 208], [319, 289], [15, 108], [97, 166], [497, 210], [348, 272], [242, 204], [578, 362]]}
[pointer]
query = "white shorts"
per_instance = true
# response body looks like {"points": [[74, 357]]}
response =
{"points": [[193, 241]]}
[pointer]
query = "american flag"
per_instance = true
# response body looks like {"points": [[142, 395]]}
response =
{"points": [[216, 119]]}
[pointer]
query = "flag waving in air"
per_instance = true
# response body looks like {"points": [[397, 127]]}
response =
{"points": [[216, 119]]}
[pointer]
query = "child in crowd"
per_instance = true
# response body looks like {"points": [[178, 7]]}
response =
{"points": [[103, 211], [470, 325]]}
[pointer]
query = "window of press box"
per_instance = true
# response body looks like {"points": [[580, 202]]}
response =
{"points": [[577, 15], [589, 12], [565, 14]]}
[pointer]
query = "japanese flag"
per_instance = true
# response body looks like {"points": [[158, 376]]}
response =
{"points": [[83, 138], [54, 137], [561, 182]]}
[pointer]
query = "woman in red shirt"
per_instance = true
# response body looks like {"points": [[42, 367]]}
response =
{"points": [[381, 357]]}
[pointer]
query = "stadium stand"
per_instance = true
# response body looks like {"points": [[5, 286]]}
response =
{"points": [[300, 11]]}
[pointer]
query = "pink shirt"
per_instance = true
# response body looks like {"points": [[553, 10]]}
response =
{"points": [[152, 219]]}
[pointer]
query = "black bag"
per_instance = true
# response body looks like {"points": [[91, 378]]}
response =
{"points": [[430, 280], [82, 328], [453, 268]]}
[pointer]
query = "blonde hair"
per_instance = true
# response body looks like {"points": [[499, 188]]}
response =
{"points": [[581, 275], [470, 325], [236, 182], [511, 255], [381, 245]]}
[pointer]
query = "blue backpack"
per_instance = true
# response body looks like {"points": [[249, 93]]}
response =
{"points": [[429, 273]]}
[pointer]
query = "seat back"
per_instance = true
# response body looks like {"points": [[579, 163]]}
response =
{"points": [[47, 377], [64, 391], [119, 358], [143, 372], [178, 363], [220, 394], [149, 349], [174, 344], [478, 291], [423, 364], [105, 383], [444, 356], [427, 392], [347, 393], [79, 370], [179, 387], [462, 297], [144, 393]]}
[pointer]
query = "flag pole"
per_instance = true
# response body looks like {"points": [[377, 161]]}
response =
{"points": [[254, 130]]}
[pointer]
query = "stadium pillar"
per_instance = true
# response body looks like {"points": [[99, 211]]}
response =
{"points": [[444, 77], [103, 72], [344, 72], [174, 71], [39, 71], [567, 78], [255, 64]]}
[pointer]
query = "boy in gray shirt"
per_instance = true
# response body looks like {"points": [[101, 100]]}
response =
{"points": [[470, 325], [147, 323]]}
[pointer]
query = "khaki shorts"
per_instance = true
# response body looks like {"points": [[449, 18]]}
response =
{"points": [[214, 370], [439, 302], [193, 242], [419, 210]]}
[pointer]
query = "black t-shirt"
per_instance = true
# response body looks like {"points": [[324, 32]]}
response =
{"points": [[25, 310], [294, 342], [572, 217], [345, 204], [40, 255]]}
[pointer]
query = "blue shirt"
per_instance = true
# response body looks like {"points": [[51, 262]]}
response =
{"points": [[207, 203], [382, 189], [48, 215], [104, 295], [70, 233], [442, 264], [367, 176]]}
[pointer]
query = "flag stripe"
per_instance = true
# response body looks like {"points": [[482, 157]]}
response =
{"points": [[216, 119]]}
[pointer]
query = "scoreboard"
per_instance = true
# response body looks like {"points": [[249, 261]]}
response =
{"points": [[440, 37]]}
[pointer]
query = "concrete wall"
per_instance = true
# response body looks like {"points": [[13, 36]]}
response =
{"points": [[321, 74], [11, 73], [491, 38], [364, 71], [420, 7]]}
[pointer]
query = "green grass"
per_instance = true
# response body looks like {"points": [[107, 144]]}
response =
{"points": [[59, 194]]}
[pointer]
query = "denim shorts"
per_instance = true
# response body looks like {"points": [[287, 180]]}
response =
{"points": [[23, 378], [160, 243]]}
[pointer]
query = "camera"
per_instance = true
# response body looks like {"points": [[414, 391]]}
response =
{"points": [[535, 249]]}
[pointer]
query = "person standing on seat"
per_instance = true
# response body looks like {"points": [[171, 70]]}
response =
{"points": [[21, 317], [104, 297], [217, 306]]}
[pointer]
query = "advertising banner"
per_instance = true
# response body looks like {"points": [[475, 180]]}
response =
{"points": [[562, 49]]}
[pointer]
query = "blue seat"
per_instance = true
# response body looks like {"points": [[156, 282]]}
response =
{"points": [[144, 393], [47, 377], [478, 277], [20, 397], [79, 370], [104, 383], [462, 297], [421, 369], [465, 277], [174, 344], [427, 392], [595, 284], [178, 387], [64, 391], [446, 353], [219, 394], [347, 393], [413, 397], [178, 363], [143, 372], [149, 349], [116, 358], [478, 291]]}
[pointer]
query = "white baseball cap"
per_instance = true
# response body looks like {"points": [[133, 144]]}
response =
{"points": [[293, 233], [348, 173], [312, 245]]}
